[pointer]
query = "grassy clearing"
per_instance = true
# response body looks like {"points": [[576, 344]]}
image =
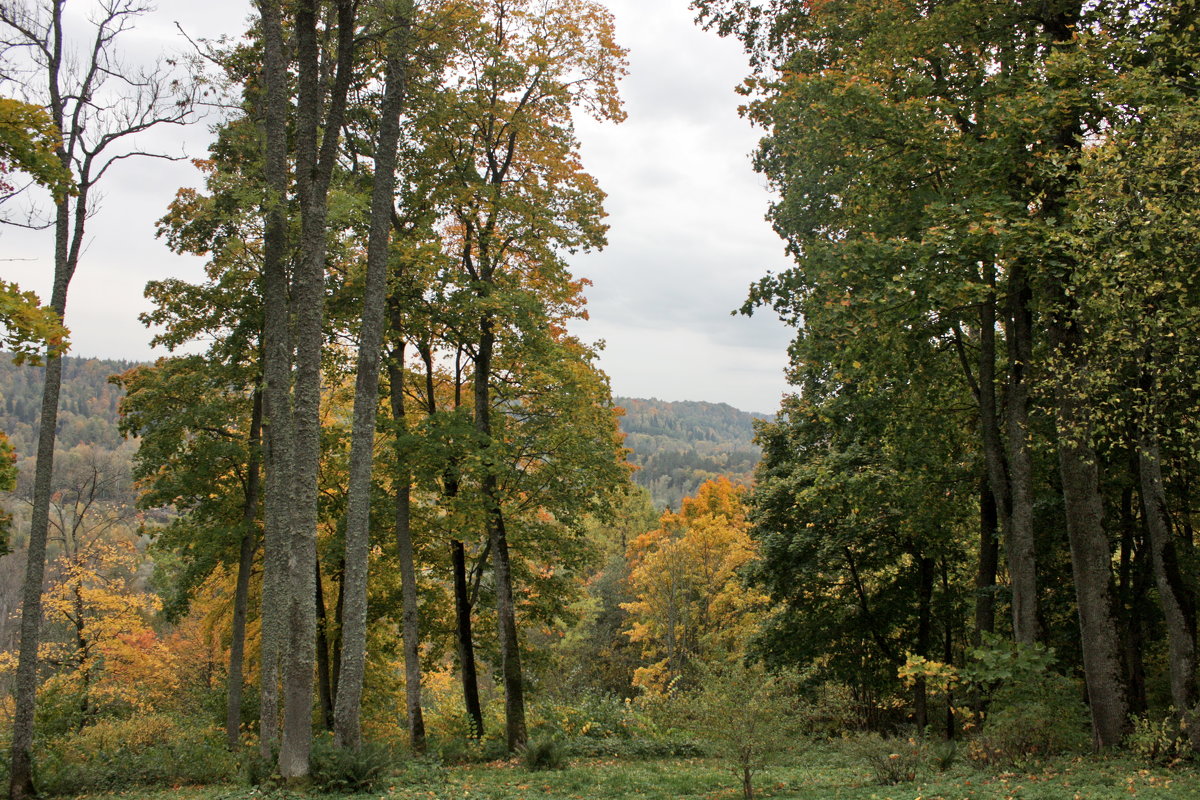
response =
{"points": [[819, 773]]}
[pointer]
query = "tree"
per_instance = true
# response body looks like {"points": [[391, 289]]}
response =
{"points": [[366, 405], [689, 605], [524, 198], [99, 108]]}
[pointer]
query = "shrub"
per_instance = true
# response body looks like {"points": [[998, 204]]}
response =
{"points": [[943, 754], [547, 753], [337, 770], [891, 760], [630, 749], [1032, 718], [463, 750], [744, 715], [1163, 741], [152, 749]]}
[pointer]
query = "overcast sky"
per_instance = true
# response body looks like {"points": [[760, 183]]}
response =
{"points": [[686, 213]]}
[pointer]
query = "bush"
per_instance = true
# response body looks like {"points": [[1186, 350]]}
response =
{"points": [[744, 715], [152, 749], [593, 714], [891, 761], [463, 750], [1032, 718], [337, 770], [630, 749], [1162, 741], [548, 753]]}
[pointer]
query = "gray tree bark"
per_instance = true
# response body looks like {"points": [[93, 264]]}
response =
{"points": [[277, 372], [410, 627], [1176, 597], [1020, 546], [314, 171], [241, 598], [347, 728]]}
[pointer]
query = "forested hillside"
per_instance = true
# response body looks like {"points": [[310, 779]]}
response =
{"points": [[679, 445], [87, 406], [676, 446]]}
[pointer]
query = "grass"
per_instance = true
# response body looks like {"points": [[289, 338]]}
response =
{"points": [[815, 773]]}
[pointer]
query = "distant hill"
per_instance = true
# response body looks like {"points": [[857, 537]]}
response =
{"points": [[87, 408], [676, 445], [680, 445]]}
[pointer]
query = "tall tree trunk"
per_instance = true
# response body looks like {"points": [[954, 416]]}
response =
{"points": [[948, 622], [465, 639], [277, 374], [1176, 597], [1130, 599], [348, 729], [314, 171], [70, 215], [21, 764], [411, 622], [510, 654], [325, 690], [925, 577], [1091, 556], [1020, 547], [988, 563], [335, 640], [241, 597]]}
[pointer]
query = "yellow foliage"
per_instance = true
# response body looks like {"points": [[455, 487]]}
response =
{"points": [[689, 600]]}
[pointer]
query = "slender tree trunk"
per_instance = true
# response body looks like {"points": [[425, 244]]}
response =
{"points": [[21, 774], [410, 627], [1130, 600], [68, 240], [366, 391], [277, 374], [465, 639], [325, 690], [510, 654], [335, 639], [1174, 594], [989, 560], [241, 597], [925, 577], [1020, 547], [948, 622]]}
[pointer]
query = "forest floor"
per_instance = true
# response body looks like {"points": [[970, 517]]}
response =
{"points": [[815, 774]]}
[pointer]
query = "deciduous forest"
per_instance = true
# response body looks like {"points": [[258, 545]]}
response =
{"points": [[375, 523]]}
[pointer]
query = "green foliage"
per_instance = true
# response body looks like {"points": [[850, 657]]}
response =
{"points": [[545, 753], [745, 716], [27, 326], [891, 760], [150, 749], [1032, 717], [678, 446], [1160, 740], [338, 770], [29, 143]]}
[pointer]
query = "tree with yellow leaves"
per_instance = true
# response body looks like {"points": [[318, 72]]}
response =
{"points": [[690, 604]]}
